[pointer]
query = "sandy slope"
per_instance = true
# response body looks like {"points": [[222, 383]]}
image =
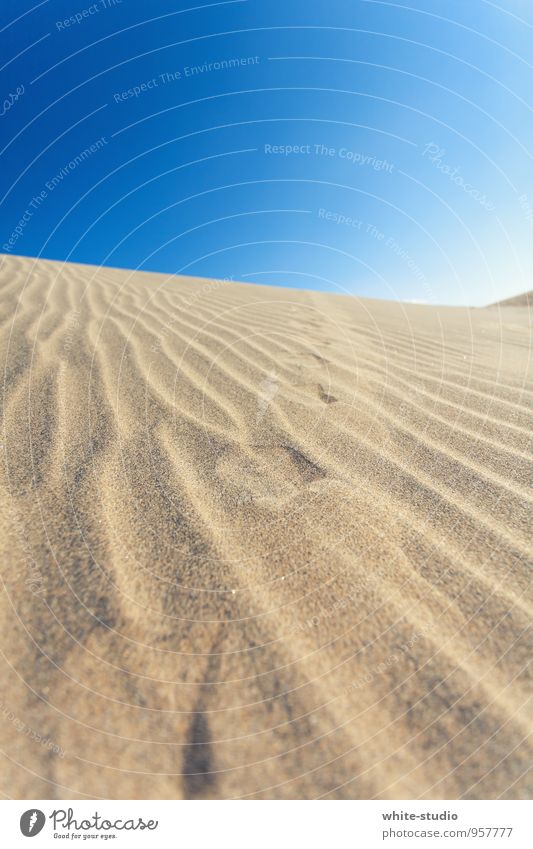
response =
{"points": [[260, 542], [525, 300]]}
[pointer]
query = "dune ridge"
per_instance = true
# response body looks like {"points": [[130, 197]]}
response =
{"points": [[260, 542], [523, 300]]}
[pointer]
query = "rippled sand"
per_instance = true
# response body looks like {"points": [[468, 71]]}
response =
{"points": [[258, 542]]}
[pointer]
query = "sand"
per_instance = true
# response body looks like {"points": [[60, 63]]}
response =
{"points": [[261, 543], [524, 300]]}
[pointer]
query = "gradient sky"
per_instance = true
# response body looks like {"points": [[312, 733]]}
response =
{"points": [[381, 149]]}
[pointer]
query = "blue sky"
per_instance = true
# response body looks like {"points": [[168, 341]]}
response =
{"points": [[381, 149]]}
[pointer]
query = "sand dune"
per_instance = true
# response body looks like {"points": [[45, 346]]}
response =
{"points": [[261, 543], [524, 300]]}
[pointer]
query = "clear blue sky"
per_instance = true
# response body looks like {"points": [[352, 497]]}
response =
{"points": [[376, 148]]}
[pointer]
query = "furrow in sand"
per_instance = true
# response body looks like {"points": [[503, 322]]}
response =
{"points": [[408, 402], [420, 395], [470, 475], [521, 435], [513, 388], [438, 503]]}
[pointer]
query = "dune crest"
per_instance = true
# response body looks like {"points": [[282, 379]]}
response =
{"points": [[261, 543]]}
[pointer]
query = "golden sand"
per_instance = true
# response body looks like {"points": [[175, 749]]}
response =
{"points": [[262, 543]]}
